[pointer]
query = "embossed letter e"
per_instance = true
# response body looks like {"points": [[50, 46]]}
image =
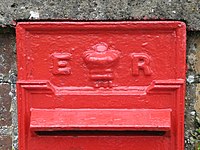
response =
{"points": [[140, 61], [60, 63]]}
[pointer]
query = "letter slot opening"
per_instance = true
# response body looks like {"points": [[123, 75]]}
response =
{"points": [[116, 122], [99, 133]]}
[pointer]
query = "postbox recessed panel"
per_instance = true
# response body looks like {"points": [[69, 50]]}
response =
{"points": [[101, 85]]}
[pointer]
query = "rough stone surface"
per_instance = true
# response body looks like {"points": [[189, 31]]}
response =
{"points": [[14, 117], [5, 143], [5, 117], [197, 103], [192, 106], [7, 56], [185, 10], [8, 107], [5, 103]]}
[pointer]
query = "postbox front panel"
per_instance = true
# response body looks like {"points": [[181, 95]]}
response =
{"points": [[101, 85]]}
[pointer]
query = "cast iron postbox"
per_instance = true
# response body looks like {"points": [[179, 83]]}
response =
{"points": [[101, 85]]}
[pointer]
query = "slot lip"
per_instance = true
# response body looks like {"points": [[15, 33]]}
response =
{"points": [[100, 120]]}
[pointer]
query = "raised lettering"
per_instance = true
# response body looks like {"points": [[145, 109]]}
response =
{"points": [[61, 64], [140, 61]]}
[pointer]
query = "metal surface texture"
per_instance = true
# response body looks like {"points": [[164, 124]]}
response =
{"points": [[101, 85]]}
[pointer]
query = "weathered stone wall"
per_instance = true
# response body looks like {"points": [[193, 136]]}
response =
{"points": [[8, 115], [12, 11], [192, 116]]}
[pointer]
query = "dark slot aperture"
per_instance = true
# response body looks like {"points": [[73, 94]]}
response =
{"points": [[99, 133]]}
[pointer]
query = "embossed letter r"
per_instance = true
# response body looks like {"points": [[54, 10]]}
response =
{"points": [[140, 61]]}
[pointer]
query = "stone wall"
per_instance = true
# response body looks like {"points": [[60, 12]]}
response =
{"points": [[8, 115], [192, 100], [12, 11]]}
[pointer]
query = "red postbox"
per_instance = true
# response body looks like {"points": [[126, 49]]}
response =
{"points": [[101, 85]]}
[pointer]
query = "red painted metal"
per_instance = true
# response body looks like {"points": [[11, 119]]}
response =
{"points": [[101, 85], [100, 119]]}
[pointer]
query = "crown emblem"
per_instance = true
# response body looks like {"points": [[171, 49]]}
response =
{"points": [[101, 61]]}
